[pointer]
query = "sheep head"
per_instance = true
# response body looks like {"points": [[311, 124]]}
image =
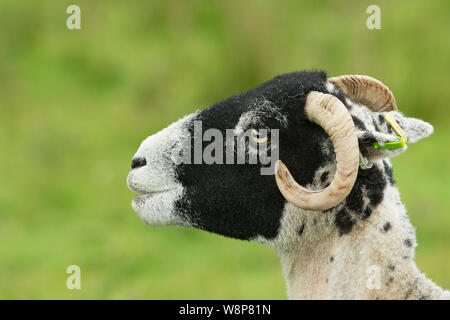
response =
{"points": [[319, 128]]}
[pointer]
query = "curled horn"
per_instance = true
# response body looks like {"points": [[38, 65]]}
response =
{"points": [[367, 91], [330, 113]]}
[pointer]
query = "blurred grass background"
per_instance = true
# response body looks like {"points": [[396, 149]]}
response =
{"points": [[75, 105]]}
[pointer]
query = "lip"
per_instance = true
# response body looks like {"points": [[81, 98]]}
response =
{"points": [[140, 199]]}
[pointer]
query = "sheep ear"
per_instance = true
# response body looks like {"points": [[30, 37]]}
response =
{"points": [[415, 129], [386, 143]]}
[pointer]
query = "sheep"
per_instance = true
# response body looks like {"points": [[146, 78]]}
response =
{"points": [[330, 208]]}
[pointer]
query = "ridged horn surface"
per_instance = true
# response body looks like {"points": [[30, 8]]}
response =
{"points": [[367, 91], [330, 113]]}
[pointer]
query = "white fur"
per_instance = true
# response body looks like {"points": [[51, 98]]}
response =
{"points": [[311, 274], [252, 118], [157, 180], [330, 87]]}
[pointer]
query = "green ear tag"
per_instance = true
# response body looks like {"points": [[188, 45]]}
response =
{"points": [[402, 138]]}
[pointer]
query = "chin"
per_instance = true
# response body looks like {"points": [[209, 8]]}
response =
{"points": [[158, 208]]}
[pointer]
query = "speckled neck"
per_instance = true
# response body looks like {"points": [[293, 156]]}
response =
{"points": [[374, 261]]}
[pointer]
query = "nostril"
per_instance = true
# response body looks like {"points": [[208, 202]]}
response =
{"points": [[138, 162]]}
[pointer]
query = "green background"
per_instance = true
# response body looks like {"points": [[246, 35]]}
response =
{"points": [[75, 105]]}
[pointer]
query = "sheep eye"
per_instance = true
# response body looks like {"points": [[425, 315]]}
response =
{"points": [[260, 137]]}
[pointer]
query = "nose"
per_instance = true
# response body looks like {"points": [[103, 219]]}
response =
{"points": [[138, 162]]}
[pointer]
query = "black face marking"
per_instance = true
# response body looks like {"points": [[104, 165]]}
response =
{"points": [[408, 242], [387, 226], [236, 200]]}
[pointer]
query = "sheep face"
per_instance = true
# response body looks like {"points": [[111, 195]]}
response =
{"points": [[237, 200]]}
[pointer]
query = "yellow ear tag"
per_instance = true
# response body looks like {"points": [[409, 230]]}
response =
{"points": [[394, 124], [403, 139]]}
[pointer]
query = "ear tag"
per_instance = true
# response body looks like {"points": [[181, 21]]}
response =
{"points": [[402, 138], [394, 124]]}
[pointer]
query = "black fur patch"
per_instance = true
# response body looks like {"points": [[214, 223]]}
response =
{"points": [[375, 125], [366, 213], [408, 242], [344, 221], [301, 228], [374, 182], [387, 226], [324, 177], [358, 123], [389, 129], [389, 172], [236, 200]]}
